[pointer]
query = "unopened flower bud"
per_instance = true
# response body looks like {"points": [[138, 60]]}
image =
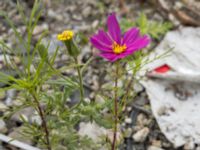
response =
{"points": [[67, 38]]}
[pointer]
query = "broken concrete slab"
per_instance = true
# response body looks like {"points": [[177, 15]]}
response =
{"points": [[174, 94]]}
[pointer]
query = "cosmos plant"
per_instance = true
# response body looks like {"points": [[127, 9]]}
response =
{"points": [[113, 45]]}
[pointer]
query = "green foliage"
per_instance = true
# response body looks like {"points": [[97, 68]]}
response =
{"points": [[36, 71], [153, 28]]}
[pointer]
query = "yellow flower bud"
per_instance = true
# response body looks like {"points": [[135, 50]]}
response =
{"points": [[65, 35], [67, 38]]}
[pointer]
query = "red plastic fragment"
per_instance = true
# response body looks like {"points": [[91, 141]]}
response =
{"points": [[162, 69]]}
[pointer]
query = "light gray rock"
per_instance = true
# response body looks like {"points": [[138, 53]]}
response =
{"points": [[138, 87], [26, 113], [92, 130], [95, 24], [3, 128], [3, 107], [53, 43], [141, 135], [156, 143], [128, 120], [10, 94], [87, 11], [142, 120], [52, 14], [154, 148], [128, 132], [16, 134], [1, 147], [2, 95], [35, 118], [99, 99], [129, 109], [40, 28]]}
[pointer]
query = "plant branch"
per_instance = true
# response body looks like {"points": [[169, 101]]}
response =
{"points": [[44, 124], [80, 81]]}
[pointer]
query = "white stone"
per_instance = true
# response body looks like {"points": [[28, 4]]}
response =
{"points": [[52, 14], [141, 119], [100, 99], [128, 120], [129, 109], [154, 148], [26, 113], [40, 28], [119, 136], [128, 132], [10, 95], [3, 107], [92, 130], [35, 118], [3, 128], [17, 134], [141, 135], [87, 11], [2, 95]]}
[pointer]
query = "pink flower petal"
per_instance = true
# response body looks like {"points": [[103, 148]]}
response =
{"points": [[113, 57], [131, 35], [109, 56], [103, 36], [122, 55], [114, 28], [100, 45], [138, 44]]}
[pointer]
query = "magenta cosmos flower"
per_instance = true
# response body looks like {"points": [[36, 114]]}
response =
{"points": [[114, 45]]}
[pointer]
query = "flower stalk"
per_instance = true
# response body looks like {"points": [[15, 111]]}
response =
{"points": [[44, 124], [115, 107], [67, 38], [81, 89]]}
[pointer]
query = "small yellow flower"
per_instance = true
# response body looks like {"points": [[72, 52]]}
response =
{"points": [[65, 35]]}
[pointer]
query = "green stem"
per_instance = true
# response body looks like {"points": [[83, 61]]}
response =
{"points": [[42, 116], [115, 108], [80, 81]]}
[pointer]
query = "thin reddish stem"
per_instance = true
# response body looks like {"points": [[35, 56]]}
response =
{"points": [[44, 124], [115, 108]]}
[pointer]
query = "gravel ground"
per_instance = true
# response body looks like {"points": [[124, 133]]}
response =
{"points": [[142, 131]]}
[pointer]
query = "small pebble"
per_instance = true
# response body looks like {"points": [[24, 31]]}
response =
{"points": [[16, 134], [154, 148], [2, 95], [10, 96], [157, 143], [3, 107], [128, 132], [128, 120], [142, 120], [129, 109], [3, 128], [141, 135]]}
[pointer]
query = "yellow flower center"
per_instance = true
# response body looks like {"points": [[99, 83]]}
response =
{"points": [[65, 35], [117, 49]]}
